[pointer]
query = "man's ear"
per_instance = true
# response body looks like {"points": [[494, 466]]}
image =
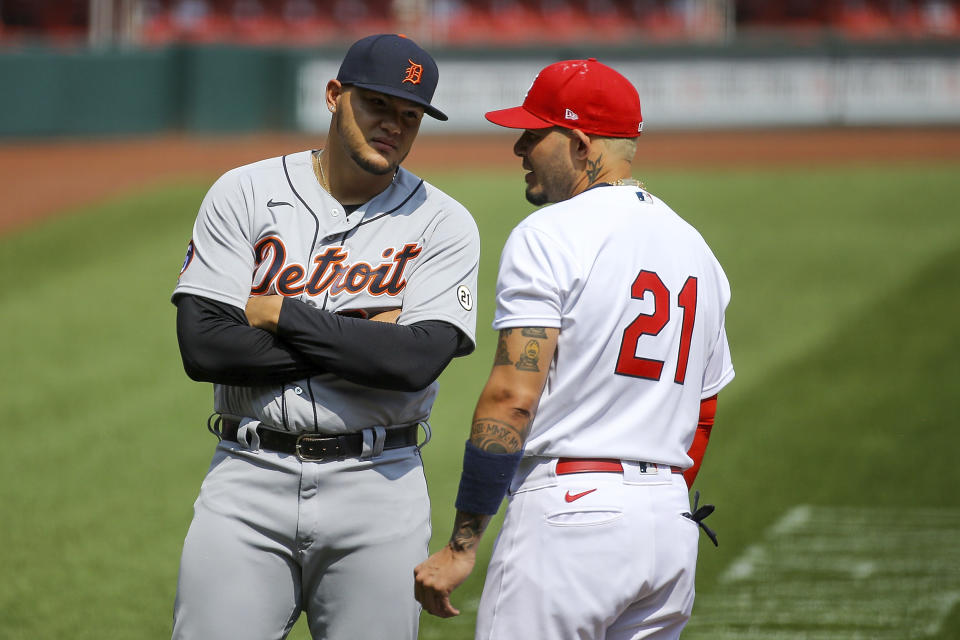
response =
{"points": [[334, 91], [582, 144]]}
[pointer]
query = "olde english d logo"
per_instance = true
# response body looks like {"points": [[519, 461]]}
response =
{"points": [[331, 271], [414, 73]]}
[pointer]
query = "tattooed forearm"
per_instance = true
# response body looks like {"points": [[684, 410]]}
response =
{"points": [[467, 530], [594, 167], [503, 355], [534, 332], [496, 436], [530, 358]]}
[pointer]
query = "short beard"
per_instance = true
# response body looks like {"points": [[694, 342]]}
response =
{"points": [[369, 167], [553, 186], [536, 199]]}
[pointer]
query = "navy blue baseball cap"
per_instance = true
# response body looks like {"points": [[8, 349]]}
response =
{"points": [[395, 65]]}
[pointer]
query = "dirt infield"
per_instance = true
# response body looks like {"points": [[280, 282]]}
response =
{"points": [[41, 179]]}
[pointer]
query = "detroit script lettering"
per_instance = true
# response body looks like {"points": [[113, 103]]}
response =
{"points": [[331, 271]]}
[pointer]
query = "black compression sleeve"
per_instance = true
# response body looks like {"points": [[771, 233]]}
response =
{"points": [[218, 345], [375, 354]]}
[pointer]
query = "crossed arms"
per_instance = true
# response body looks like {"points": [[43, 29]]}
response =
{"points": [[277, 340]]}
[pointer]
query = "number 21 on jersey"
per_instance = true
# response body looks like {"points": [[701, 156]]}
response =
{"points": [[628, 364]]}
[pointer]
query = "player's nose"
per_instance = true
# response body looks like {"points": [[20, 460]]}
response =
{"points": [[519, 147], [391, 124]]}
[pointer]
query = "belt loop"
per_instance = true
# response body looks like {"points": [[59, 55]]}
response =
{"points": [[373, 440], [427, 432], [247, 435], [215, 425]]}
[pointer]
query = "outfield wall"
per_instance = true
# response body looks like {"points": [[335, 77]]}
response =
{"points": [[236, 89]]}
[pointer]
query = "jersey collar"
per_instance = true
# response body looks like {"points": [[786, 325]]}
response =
{"points": [[405, 192]]}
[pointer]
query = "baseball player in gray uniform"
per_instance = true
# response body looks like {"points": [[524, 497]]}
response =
{"points": [[603, 391], [323, 292]]}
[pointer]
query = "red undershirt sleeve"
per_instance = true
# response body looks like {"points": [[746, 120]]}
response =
{"points": [[708, 410]]}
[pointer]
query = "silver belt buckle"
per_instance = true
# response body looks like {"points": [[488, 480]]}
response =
{"points": [[333, 450]]}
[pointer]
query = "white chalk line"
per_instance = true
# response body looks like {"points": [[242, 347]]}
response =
{"points": [[839, 572]]}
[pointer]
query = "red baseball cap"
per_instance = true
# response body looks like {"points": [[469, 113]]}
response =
{"points": [[577, 94]]}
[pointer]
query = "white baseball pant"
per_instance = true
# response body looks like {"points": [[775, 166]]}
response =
{"points": [[591, 556]]}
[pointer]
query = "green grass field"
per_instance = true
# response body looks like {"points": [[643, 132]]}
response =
{"points": [[832, 464]]}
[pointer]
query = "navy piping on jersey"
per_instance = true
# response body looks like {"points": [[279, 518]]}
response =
{"points": [[316, 232], [405, 200], [316, 219], [313, 404], [599, 184]]}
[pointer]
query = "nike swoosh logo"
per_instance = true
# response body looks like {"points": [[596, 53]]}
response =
{"points": [[279, 203], [570, 497]]}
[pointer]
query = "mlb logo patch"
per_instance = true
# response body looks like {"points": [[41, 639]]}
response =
{"points": [[191, 250]]}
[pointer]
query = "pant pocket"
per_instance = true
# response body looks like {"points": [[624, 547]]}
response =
{"points": [[590, 517]]}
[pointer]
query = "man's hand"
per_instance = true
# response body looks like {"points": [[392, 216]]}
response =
{"points": [[437, 577], [263, 312], [387, 316]]}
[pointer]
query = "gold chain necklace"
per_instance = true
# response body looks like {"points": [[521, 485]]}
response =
{"points": [[318, 171], [627, 182]]}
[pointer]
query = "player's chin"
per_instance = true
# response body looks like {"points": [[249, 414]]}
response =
{"points": [[536, 195], [378, 163], [392, 152]]}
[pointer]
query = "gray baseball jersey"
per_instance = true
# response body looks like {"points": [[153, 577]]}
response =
{"points": [[268, 228]]}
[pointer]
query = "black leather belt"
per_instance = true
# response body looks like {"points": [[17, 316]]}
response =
{"points": [[314, 447]]}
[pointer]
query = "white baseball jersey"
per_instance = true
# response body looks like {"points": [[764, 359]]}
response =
{"points": [[639, 299], [269, 228]]}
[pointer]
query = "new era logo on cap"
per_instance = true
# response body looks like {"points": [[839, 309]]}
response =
{"points": [[577, 94]]}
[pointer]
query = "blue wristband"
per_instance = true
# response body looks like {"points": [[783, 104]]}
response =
{"points": [[485, 479]]}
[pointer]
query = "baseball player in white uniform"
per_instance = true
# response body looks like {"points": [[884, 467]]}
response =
{"points": [[596, 414], [315, 500]]}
